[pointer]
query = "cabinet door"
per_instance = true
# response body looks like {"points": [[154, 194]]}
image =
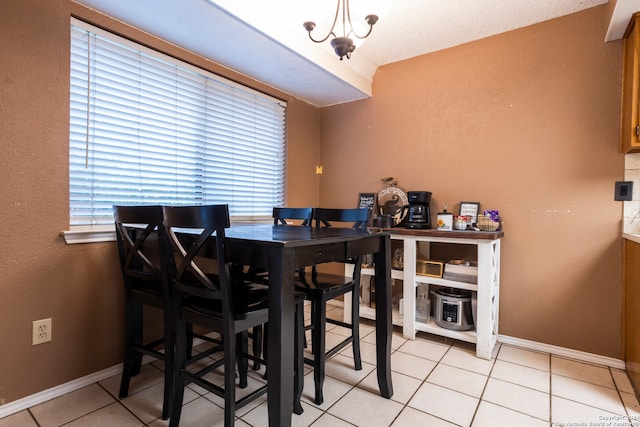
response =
{"points": [[630, 119], [632, 311]]}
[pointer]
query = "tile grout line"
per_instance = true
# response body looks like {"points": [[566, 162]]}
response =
{"points": [[628, 415], [424, 381], [33, 417], [475, 413], [119, 401]]}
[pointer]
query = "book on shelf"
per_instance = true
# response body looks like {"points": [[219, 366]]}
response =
{"points": [[461, 271]]}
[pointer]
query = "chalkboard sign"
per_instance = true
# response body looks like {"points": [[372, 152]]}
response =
{"points": [[367, 200]]}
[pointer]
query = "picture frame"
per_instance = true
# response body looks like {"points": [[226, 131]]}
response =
{"points": [[470, 209], [369, 201]]}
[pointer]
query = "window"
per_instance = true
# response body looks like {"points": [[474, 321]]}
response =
{"points": [[148, 129]]}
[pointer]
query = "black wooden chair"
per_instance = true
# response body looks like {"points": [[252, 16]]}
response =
{"points": [[210, 296], [281, 215], [322, 287], [137, 231]]}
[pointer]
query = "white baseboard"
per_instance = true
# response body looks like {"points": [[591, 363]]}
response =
{"points": [[43, 396], [564, 352]]}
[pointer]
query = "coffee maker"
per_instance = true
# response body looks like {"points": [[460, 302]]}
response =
{"points": [[419, 212]]}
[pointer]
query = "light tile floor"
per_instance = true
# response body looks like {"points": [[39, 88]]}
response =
{"points": [[437, 382]]}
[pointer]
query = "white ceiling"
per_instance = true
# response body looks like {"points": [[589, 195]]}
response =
{"points": [[265, 39]]}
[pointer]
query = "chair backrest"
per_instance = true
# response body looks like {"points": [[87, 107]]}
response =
{"points": [[140, 256], [281, 215], [324, 217], [358, 216], [195, 235]]}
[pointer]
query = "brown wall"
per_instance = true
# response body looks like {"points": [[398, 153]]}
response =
{"points": [[525, 122], [78, 286], [611, 7]]}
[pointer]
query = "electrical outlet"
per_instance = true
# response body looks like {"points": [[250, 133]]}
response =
{"points": [[41, 331]]}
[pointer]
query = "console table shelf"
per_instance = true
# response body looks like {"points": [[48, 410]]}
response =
{"points": [[416, 244]]}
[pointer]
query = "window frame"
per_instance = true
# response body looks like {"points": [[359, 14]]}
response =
{"points": [[92, 232]]}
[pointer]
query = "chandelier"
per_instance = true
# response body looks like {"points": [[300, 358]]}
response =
{"points": [[343, 45]]}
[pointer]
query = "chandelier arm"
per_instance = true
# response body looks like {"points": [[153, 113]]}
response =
{"points": [[333, 26], [345, 17], [321, 40], [368, 18], [353, 31]]}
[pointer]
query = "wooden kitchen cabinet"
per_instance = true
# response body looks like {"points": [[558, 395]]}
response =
{"points": [[632, 311], [630, 119]]}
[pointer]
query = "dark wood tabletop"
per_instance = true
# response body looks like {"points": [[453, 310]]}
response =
{"points": [[281, 250]]}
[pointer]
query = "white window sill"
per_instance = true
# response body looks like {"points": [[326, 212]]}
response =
{"points": [[89, 234], [107, 233]]}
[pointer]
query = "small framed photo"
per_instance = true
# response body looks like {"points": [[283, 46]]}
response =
{"points": [[369, 201], [470, 209]]}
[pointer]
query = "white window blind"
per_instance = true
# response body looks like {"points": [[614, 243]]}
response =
{"points": [[148, 129]]}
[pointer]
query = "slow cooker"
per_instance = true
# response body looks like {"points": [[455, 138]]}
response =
{"points": [[452, 309]]}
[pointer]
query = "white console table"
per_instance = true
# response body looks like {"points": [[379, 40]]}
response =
{"points": [[487, 250]]}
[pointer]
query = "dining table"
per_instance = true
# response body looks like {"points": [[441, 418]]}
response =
{"points": [[283, 249]]}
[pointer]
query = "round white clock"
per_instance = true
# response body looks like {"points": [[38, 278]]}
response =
{"points": [[391, 201]]}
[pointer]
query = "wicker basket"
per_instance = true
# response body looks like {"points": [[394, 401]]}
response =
{"points": [[487, 224]]}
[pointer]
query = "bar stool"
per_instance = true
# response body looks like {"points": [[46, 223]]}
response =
{"points": [[322, 287], [138, 229], [210, 296], [281, 215]]}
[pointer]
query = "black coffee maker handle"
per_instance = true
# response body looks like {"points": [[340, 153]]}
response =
{"points": [[404, 214]]}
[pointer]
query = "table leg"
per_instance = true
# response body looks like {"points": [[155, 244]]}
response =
{"points": [[280, 345], [384, 327]]}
